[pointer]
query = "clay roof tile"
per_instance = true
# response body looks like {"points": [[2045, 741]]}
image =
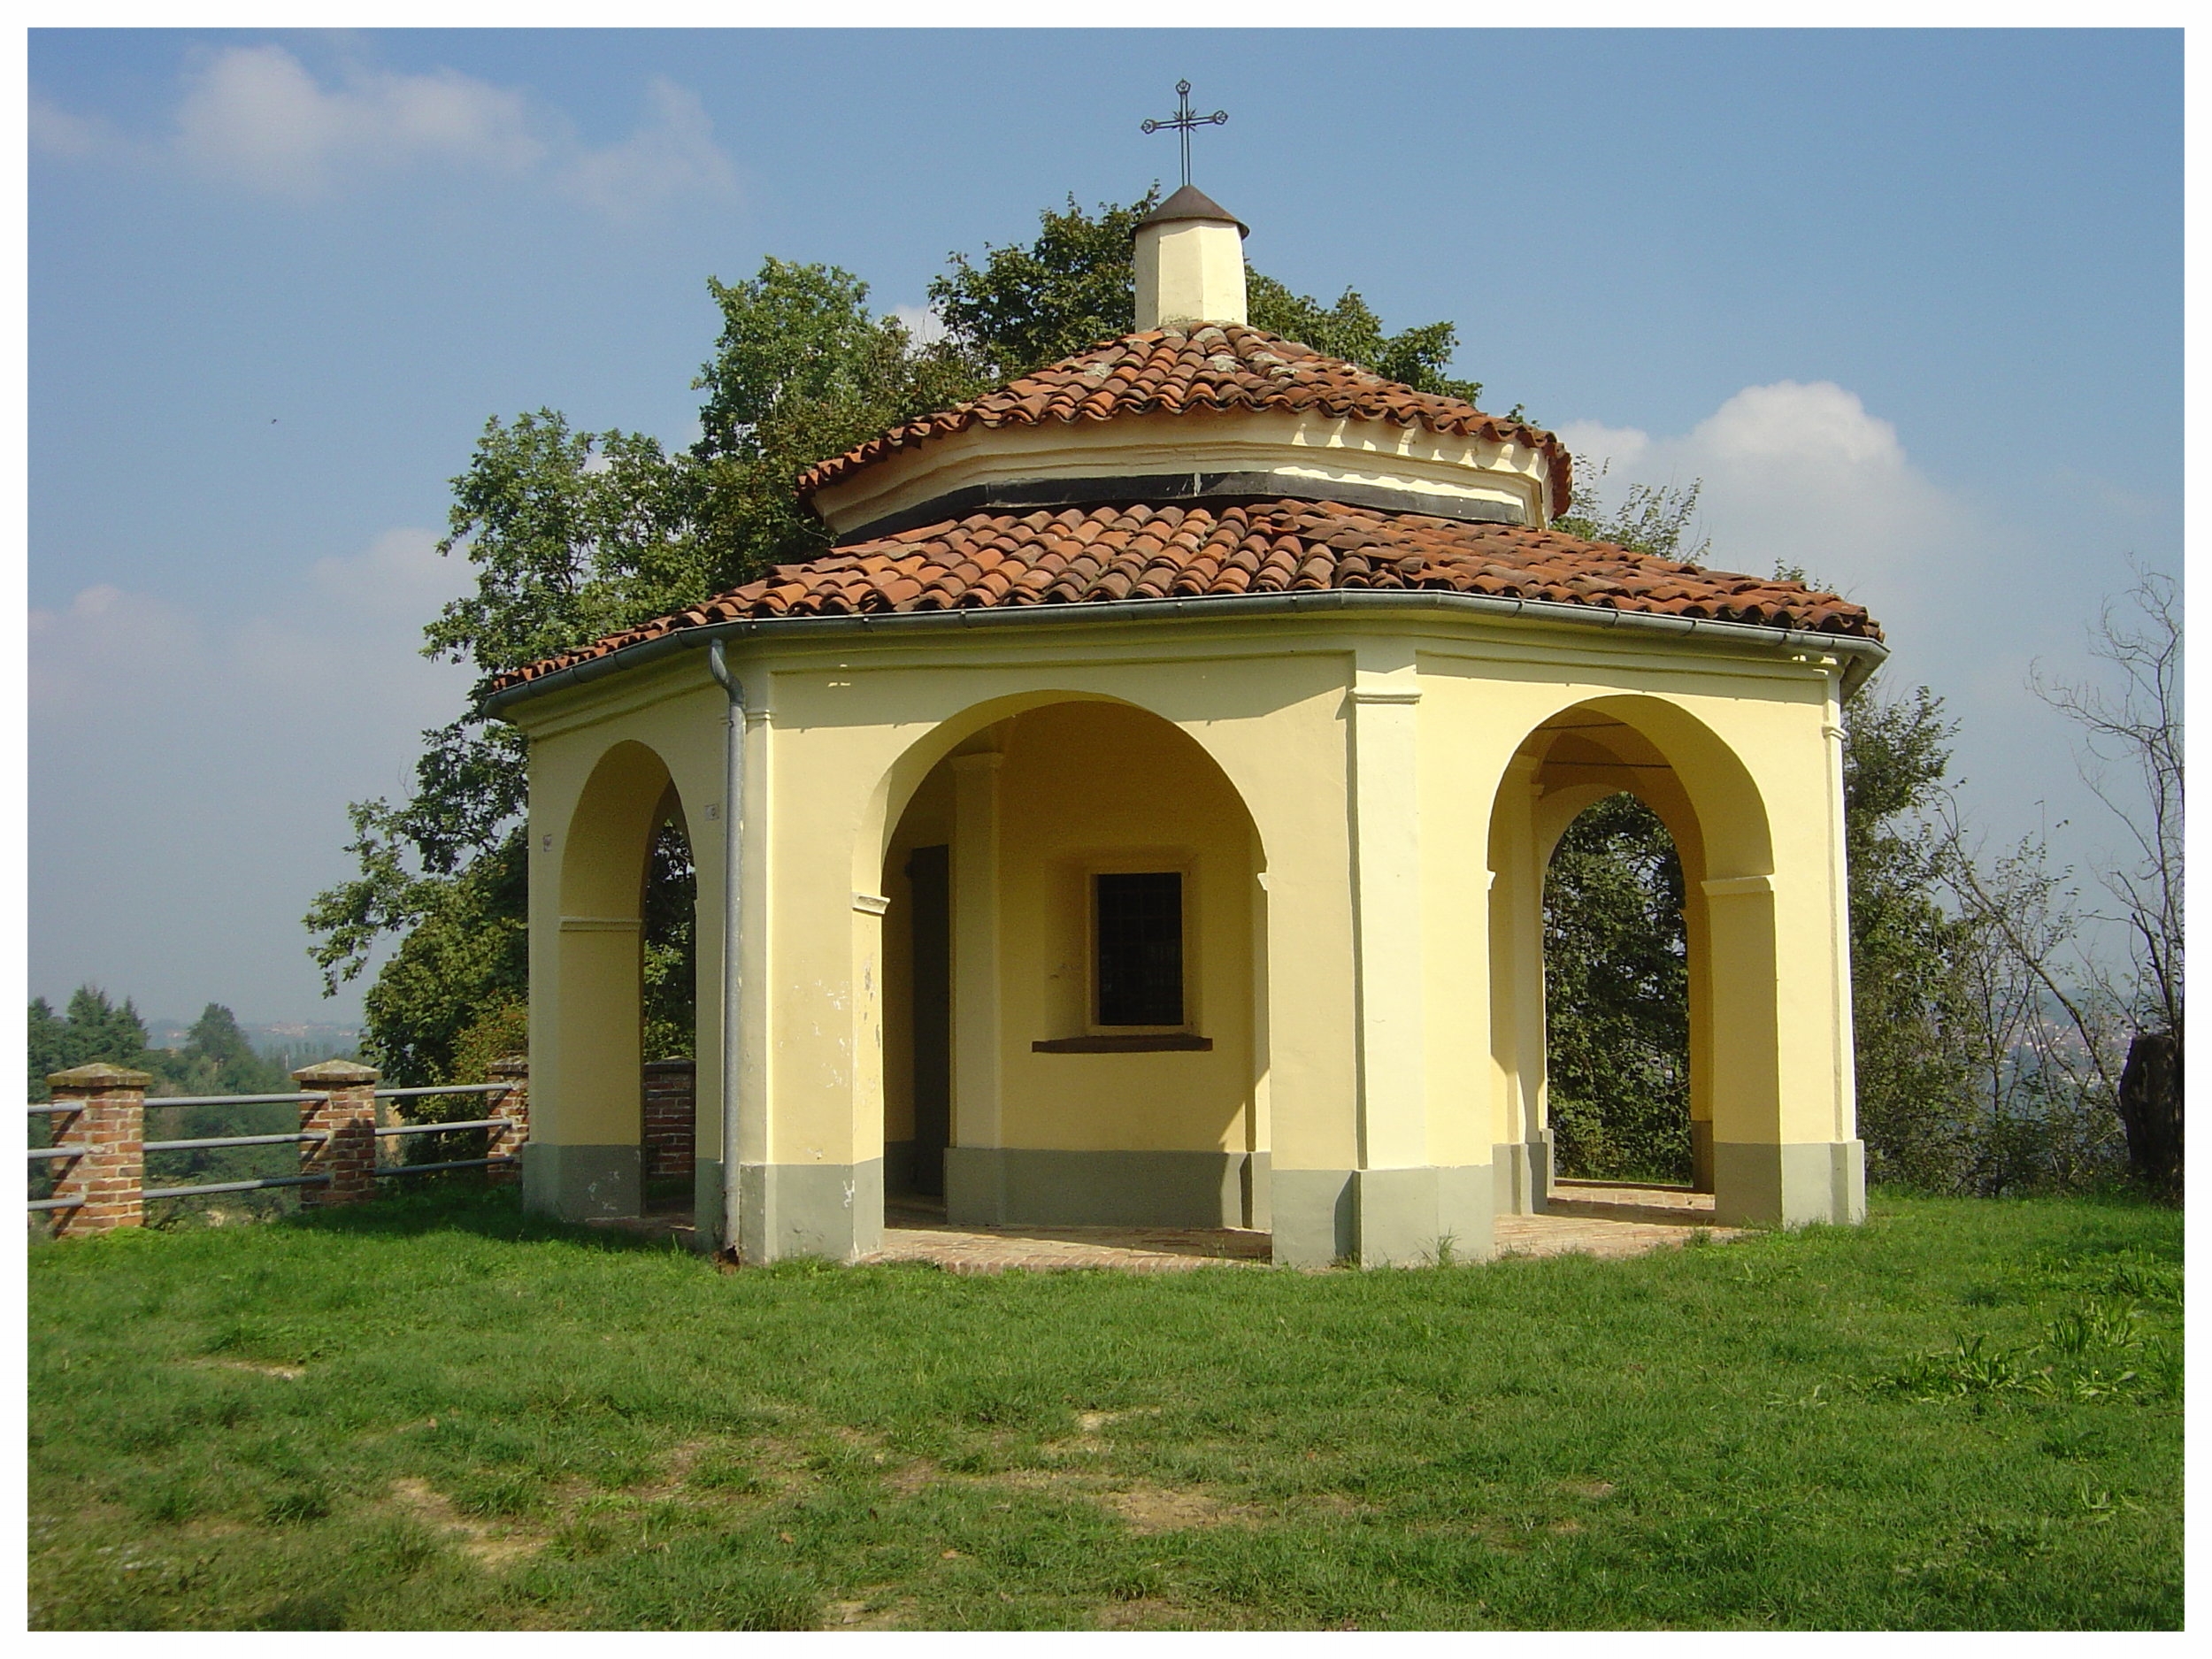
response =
{"points": [[1111, 553]]}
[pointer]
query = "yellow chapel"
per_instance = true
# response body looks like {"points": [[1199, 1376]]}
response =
{"points": [[1140, 818]]}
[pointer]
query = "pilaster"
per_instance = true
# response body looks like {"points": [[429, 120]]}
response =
{"points": [[976, 1038]]}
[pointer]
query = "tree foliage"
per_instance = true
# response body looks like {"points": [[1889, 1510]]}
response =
{"points": [[92, 1031], [217, 1058], [1617, 997]]}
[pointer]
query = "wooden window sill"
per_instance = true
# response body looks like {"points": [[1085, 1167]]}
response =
{"points": [[1166, 1042]]}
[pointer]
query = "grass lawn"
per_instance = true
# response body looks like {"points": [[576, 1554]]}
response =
{"points": [[434, 1412]]}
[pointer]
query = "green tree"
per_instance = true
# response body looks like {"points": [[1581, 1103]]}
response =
{"points": [[216, 1058], [93, 1030], [1913, 1006], [1028, 304], [1617, 997]]}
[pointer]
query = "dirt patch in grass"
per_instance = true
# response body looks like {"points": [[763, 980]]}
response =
{"points": [[493, 1546], [871, 1615], [1174, 1510], [259, 1368], [1144, 1613]]}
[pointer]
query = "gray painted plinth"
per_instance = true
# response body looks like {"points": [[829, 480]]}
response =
{"points": [[706, 1203], [987, 1187], [1521, 1175], [581, 1183], [834, 1211], [1700, 1155], [1789, 1185], [1384, 1217]]}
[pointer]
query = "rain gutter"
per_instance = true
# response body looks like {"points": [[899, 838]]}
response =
{"points": [[733, 935], [1861, 656]]}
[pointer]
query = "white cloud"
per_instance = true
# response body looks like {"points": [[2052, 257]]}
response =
{"points": [[254, 115], [257, 118], [672, 154], [1967, 594], [190, 771], [921, 322], [1801, 474], [56, 130]]}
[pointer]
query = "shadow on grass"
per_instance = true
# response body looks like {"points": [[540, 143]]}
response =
{"points": [[487, 1212]]}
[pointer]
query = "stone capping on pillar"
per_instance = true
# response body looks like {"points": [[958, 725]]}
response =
{"points": [[347, 1111], [513, 1107], [104, 1181]]}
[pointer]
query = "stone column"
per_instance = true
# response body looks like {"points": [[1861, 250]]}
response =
{"points": [[513, 1070], [670, 1117], [348, 1157], [107, 1178]]}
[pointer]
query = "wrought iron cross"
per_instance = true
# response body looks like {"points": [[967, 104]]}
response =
{"points": [[1183, 120]]}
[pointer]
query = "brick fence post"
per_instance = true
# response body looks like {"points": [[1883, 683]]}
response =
{"points": [[514, 1106], [107, 1178], [348, 1157], [670, 1115]]}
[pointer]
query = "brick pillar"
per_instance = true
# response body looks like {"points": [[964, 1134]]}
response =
{"points": [[514, 1071], [348, 1157], [107, 1178], [670, 1115]]}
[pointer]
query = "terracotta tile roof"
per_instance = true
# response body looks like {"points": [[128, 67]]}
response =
{"points": [[1208, 370], [1097, 554]]}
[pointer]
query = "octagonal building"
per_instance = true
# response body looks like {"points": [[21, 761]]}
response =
{"points": [[1138, 818]]}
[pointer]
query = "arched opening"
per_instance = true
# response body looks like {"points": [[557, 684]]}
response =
{"points": [[614, 1067], [1616, 1000], [1633, 938], [1071, 973]]}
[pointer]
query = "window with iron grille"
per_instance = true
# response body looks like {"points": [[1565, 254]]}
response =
{"points": [[1139, 933]]}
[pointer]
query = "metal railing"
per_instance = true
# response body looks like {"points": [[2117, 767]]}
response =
{"points": [[294, 1137]]}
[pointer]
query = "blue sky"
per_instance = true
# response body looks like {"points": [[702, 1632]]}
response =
{"points": [[1909, 304]]}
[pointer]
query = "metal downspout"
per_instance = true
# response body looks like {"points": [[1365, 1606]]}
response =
{"points": [[733, 936]]}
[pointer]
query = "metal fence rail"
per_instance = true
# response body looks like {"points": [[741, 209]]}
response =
{"points": [[233, 1186], [300, 1137], [458, 1163], [235, 1100]]}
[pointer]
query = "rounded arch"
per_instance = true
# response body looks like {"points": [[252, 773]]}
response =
{"points": [[893, 791], [1031, 1057], [597, 1154], [1666, 757], [1582, 750], [609, 832]]}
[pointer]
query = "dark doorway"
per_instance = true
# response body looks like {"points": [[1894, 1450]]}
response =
{"points": [[929, 882]]}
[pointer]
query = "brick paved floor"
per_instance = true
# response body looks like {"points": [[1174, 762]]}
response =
{"points": [[1603, 1221], [1587, 1218]]}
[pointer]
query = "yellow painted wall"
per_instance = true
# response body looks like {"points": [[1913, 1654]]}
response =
{"points": [[846, 731], [599, 769], [1090, 787]]}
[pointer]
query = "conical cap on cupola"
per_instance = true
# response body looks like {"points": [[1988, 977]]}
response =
{"points": [[1190, 263]]}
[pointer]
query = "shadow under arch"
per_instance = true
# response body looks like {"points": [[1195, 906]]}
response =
{"points": [[1584, 751], [997, 840], [588, 1155], [895, 790]]}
